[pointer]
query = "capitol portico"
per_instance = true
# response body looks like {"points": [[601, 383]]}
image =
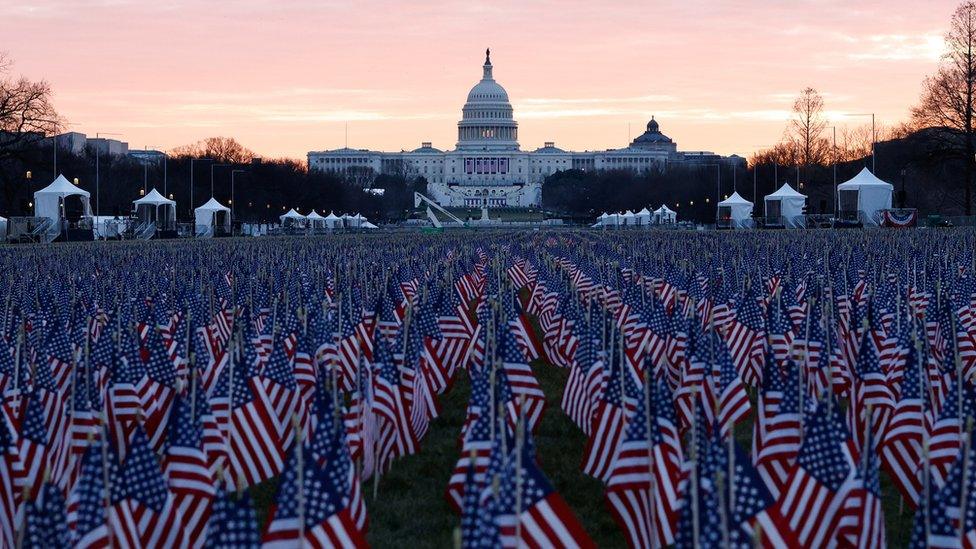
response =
{"points": [[487, 168]]}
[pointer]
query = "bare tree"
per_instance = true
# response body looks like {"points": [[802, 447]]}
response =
{"points": [[27, 115], [947, 102], [807, 127], [26, 112], [221, 149]]}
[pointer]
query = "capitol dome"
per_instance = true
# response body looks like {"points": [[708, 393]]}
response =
{"points": [[487, 121], [653, 139]]}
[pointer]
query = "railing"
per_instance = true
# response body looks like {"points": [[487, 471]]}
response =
{"points": [[203, 231], [145, 231], [30, 229]]}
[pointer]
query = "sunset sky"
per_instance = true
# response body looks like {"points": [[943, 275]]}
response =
{"points": [[285, 77]]}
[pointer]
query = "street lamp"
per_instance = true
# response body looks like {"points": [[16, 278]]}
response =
{"points": [[29, 203], [232, 173], [98, 154], [212, 166], [874, 135], [192, 160]]}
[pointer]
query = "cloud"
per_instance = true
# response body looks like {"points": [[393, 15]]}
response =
{"points": [[900, 47]]}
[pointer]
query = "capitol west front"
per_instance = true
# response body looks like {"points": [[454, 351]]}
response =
{"points": [[487, 167]]}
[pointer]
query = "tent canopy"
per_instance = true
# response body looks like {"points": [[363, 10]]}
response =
{"points": [[148, 209], [292, 214], [153, 198], [785, 203], [864, 194], [734, 209], [206, 215], [314, 215], [48, 201]]}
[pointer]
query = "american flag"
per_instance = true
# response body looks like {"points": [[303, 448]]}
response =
{"points": [[526, 391], [814, 496], [233, 523], [143, 512], [901, 447], [609, 420], [777, 439], [544, 519], [247, 417], [389, 403], [45, 519], [642, 486], [475, 456], [726, 390], [312, 508], [746, 339], [8, 510], [187, 472], [862, 521], [87, 514]]}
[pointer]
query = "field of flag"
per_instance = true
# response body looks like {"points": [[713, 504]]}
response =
{"points": [[492, 389]]}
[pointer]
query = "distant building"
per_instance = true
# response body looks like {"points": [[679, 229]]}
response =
{"points": [[78, 143], [487, 167], [108, 147], [147, 156]]}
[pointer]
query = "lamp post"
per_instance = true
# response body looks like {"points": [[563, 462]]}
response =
{"points": [[232, 174], [30, 200], [192, 160], [718, 184], [212, 166], [874, 136], [98, 154], [834, 188]]}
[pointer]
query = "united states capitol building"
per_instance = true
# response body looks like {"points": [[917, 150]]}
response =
{"points": [[487, 168]]}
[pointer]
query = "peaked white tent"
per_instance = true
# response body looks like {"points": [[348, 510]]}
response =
{"points": [[353, 221], [292, 219], [147, 209], [665, 215], [643, 217], [628, 218], [207, 218], [333, 221], [733, 211], [863, 197], [368, 225], [315, 220], [60, 200], [784, 205]]}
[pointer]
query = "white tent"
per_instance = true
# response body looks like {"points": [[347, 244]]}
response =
{"points": [[53, 201], [292, 219], [3, 228], [665, 215], [784, 206], [333, 221], [352, 221], [206, 217], [147, 209], [733, 211], [315, 220], [643, 217], [368, 225], [863, 197], [628, 218]]}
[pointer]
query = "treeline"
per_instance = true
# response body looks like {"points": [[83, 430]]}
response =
{"points": [[262, 189]]}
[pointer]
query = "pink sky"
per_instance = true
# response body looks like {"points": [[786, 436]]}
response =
{"points": [[285, 77]]}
